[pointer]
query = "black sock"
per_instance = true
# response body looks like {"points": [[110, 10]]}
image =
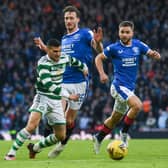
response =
{"points": [[125, 128], [100, 135], [127, 124], [68, 133], [47, 130]]}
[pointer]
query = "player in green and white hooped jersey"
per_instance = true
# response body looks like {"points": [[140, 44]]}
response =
{"points": [[47, 101]]}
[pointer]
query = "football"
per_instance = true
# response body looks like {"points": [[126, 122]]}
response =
{"points": [[115, 151]]}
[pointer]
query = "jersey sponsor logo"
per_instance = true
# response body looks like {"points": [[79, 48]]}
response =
{"points": [[68, 48], [128, 62]]}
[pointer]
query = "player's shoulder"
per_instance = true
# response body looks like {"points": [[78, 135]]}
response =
{"points": [[138, 42], [135, 41], [44, 60], [113, 45], [85, 31]]}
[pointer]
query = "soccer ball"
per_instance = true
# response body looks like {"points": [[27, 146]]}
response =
{"points": [[115, 151]]}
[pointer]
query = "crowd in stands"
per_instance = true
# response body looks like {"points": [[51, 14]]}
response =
{"points": [[21, 20]]}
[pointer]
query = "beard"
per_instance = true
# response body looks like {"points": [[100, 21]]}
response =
{"points": [[126, 41], [70, 28]]}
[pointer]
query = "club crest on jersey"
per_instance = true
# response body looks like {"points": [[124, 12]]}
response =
{"points": [[135, 50]]}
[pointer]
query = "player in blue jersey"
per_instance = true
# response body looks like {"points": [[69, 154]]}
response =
{"points": [[125, 55], [78, 42]]}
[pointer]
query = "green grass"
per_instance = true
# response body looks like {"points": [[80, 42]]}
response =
{"points": [[79, 154]]}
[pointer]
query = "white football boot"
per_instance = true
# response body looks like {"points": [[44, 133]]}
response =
{"points": [[56, 151], [96, 145], [124, 138]]}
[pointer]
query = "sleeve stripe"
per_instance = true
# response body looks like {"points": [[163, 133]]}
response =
{"points": [[43, 71], [46, 80], [52, 88]]}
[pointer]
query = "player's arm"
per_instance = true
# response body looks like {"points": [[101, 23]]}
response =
{"points": [[45, 78], [81, 66], [153, 54], [99, 65], [39, 43], [97, 40]]}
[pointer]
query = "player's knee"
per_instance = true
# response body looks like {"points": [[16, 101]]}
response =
{"points": [[60, 137], [138, 106]]}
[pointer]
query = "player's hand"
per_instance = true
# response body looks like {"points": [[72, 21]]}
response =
{"points": [[103, 78], [39, 43], [85, 71], [156, 55], [98, 35], [74, 97]]}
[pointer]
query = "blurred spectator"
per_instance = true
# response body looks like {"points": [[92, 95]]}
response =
{"points": [[22, 20], [151, 120], [162, 121]]}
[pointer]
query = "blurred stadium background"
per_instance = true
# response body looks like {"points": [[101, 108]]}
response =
{"points": [[21, 20]]}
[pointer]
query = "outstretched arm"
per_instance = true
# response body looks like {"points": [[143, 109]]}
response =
{"points": [[97, 40], [99, 65], [154, 54], [39, 43]]}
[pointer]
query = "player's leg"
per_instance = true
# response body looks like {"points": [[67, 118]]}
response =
{"points": [[108, 125], [74, 106], [48, 129], [135, 105], [56, 119], [119, 109], [58, 135], [70, 119], [24, 134], [71, 113]]}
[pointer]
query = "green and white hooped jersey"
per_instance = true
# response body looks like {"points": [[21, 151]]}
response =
{"points": [[50, 74]]}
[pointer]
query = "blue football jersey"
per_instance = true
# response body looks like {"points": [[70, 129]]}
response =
{"points": [[125, 61], [78, 45]]}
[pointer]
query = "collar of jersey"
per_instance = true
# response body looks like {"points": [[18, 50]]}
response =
{"points": [[72, 32], [126, 45]]}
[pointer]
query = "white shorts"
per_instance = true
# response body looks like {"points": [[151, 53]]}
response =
{"points": [[121, 95], [76, 88], [50, 108]]}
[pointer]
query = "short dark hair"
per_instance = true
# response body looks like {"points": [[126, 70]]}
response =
{"points": [[53, 43], [127, 23], [71, 9]]}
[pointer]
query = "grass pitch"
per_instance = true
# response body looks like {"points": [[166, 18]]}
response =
{"points": [[79, 154]]}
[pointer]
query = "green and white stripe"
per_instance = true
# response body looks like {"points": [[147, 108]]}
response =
{"points": [[21, 137], [50, 74], [48, 141]]}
